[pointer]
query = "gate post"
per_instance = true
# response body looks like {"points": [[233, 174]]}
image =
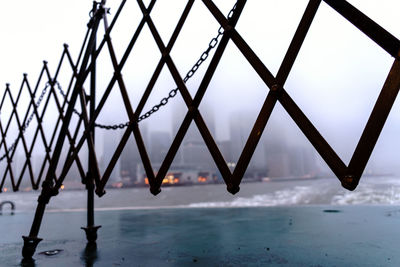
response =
{"points": [[49, 189], [91, 229]]}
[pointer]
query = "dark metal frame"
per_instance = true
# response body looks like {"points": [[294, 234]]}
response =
{"points": [[349, 175]]}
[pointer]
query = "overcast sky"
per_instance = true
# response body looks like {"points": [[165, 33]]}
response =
{"points": [[336, 79]]}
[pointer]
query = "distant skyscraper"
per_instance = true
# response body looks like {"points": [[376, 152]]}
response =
{"points": [[226, 150], [284, 156], [240, 125], [302, 161], [159, 143], [110, 144], [130, 159], [276, 149], [277, 158], [197, 156]]}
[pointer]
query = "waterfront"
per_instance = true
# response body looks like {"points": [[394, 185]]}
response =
{"points": [[383, 190]]}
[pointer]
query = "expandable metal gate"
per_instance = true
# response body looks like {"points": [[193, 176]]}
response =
{"points": [[85, 69]]}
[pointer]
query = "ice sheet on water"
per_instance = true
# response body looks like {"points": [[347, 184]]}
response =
{"points": [[299, 195], [372, 192], [369, 195]]}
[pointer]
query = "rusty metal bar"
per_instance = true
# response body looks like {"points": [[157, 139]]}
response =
{"points": [[370, 28], [374, 127], [297, 41]]}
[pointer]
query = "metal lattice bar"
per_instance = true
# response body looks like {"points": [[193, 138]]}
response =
{"points": [[375, 123], [378, 34]]}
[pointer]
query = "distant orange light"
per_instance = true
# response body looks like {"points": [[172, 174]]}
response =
{"points": [[117, 185], [62, 187], [202, 179], [5, 189], [146, 180]]}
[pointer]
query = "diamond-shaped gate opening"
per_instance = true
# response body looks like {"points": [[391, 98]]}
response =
{"points": [[242, 92], [337, 86], [129, 168], [160, 124]]}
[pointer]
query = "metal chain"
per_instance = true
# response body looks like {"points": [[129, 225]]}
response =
{"points": [[27, 122], [107, 127], [64, 95], [213, 43]]}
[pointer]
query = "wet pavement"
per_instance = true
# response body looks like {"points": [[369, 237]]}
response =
{"points": [[271, 236]]}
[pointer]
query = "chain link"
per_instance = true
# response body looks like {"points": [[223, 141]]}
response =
{"points": [[64, 95]]}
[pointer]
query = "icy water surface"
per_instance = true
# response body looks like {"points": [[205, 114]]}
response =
{"points": [[323, 191]]}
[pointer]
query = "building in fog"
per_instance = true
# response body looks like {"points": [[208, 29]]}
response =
{"points": [[240, 126], [159, 144], [130, 161], [302, 161], [286, 156], [110, 144], [196, 154], [277, 158], [226, 149]]}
